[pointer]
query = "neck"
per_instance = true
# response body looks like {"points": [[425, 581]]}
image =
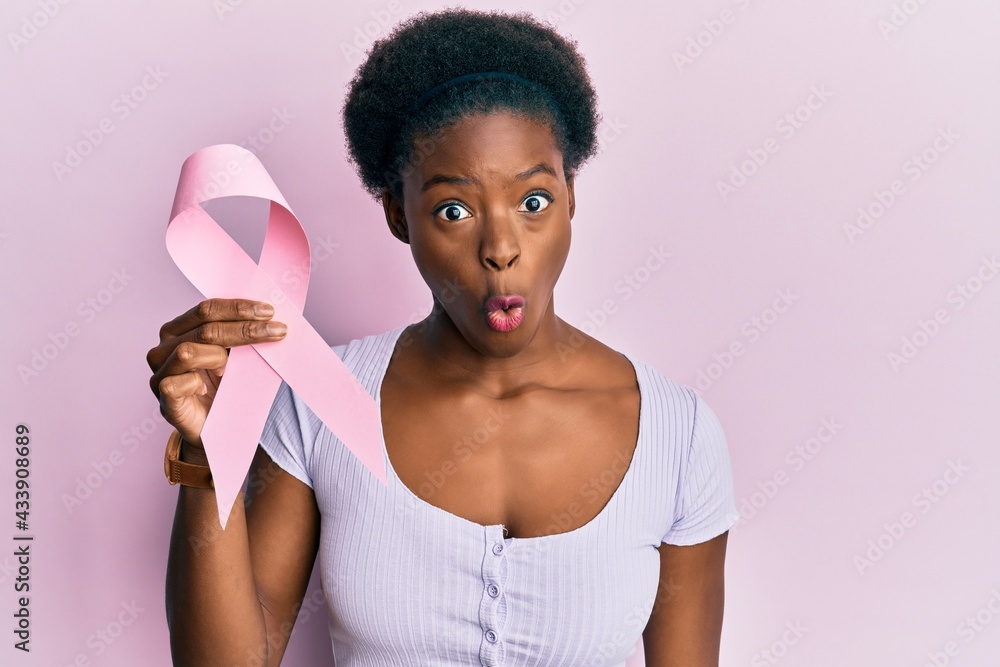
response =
{"points": [[498, 364]]}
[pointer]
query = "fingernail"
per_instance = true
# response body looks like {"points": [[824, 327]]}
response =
{"points": [[276, 329], [263, 310]]}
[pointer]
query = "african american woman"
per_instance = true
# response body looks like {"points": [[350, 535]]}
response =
{"points": [[549, 499]]}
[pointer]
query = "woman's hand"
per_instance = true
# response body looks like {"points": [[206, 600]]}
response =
{"points": [[190, 360]]}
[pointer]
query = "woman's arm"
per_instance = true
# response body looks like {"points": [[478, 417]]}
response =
{"points": [[233, 595], [685, 626], [283, 526]]}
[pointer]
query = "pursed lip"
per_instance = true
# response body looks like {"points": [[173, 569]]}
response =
{"points": [[503, 302]]}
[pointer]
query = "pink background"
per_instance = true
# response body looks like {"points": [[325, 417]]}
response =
{"points": [[672, 134]]}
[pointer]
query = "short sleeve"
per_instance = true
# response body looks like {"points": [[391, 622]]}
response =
{"points": [[706, 504], [286, 433]]}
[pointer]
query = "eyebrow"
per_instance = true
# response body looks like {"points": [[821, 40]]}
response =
{"points": [[541, 167]]}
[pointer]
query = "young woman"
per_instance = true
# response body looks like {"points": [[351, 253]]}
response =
{"points": [[549, 499]]}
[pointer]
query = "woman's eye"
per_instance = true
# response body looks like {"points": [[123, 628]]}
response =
{"points": [[534, 203], [452, 212]]}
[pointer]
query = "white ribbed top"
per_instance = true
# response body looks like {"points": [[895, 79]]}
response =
{"points": [[408, 583]]}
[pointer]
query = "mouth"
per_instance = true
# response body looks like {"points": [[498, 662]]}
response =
{"points": [[504, 313]]}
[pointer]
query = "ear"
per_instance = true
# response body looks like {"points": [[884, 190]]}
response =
{"points": [[572, 195], [394, 216]]}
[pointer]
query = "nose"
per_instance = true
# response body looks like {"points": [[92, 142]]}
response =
{"points": [[500, 246]]}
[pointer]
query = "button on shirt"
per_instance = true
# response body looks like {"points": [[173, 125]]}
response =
{"points": [[409, 583]]}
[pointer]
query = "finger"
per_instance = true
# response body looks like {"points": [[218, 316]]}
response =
{"points": [[230, 334], [225, 334], [216, 310], [175, 389], [188, 356]]}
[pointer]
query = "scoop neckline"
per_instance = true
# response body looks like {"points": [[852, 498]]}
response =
{"points": [[393, 338]]}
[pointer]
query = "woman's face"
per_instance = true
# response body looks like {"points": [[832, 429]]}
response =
{"points": [[486, 211]]}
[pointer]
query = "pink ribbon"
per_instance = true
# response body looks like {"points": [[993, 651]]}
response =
{"points": [[219, 268]]}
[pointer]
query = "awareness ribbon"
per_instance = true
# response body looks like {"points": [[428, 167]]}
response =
{"points": [[219, 268]]}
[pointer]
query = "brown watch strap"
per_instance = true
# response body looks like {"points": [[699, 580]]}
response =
{"points": [[179, 472]]}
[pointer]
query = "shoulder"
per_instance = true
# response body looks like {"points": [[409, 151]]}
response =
{"points": [[605, 366], [677, 417], [666, 396], [369, 349], [669, 408]]}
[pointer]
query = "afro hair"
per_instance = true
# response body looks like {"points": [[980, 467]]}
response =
{"points": [[431, 48]]}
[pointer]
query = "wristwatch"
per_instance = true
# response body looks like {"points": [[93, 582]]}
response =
{"points": [[179, 472]]}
